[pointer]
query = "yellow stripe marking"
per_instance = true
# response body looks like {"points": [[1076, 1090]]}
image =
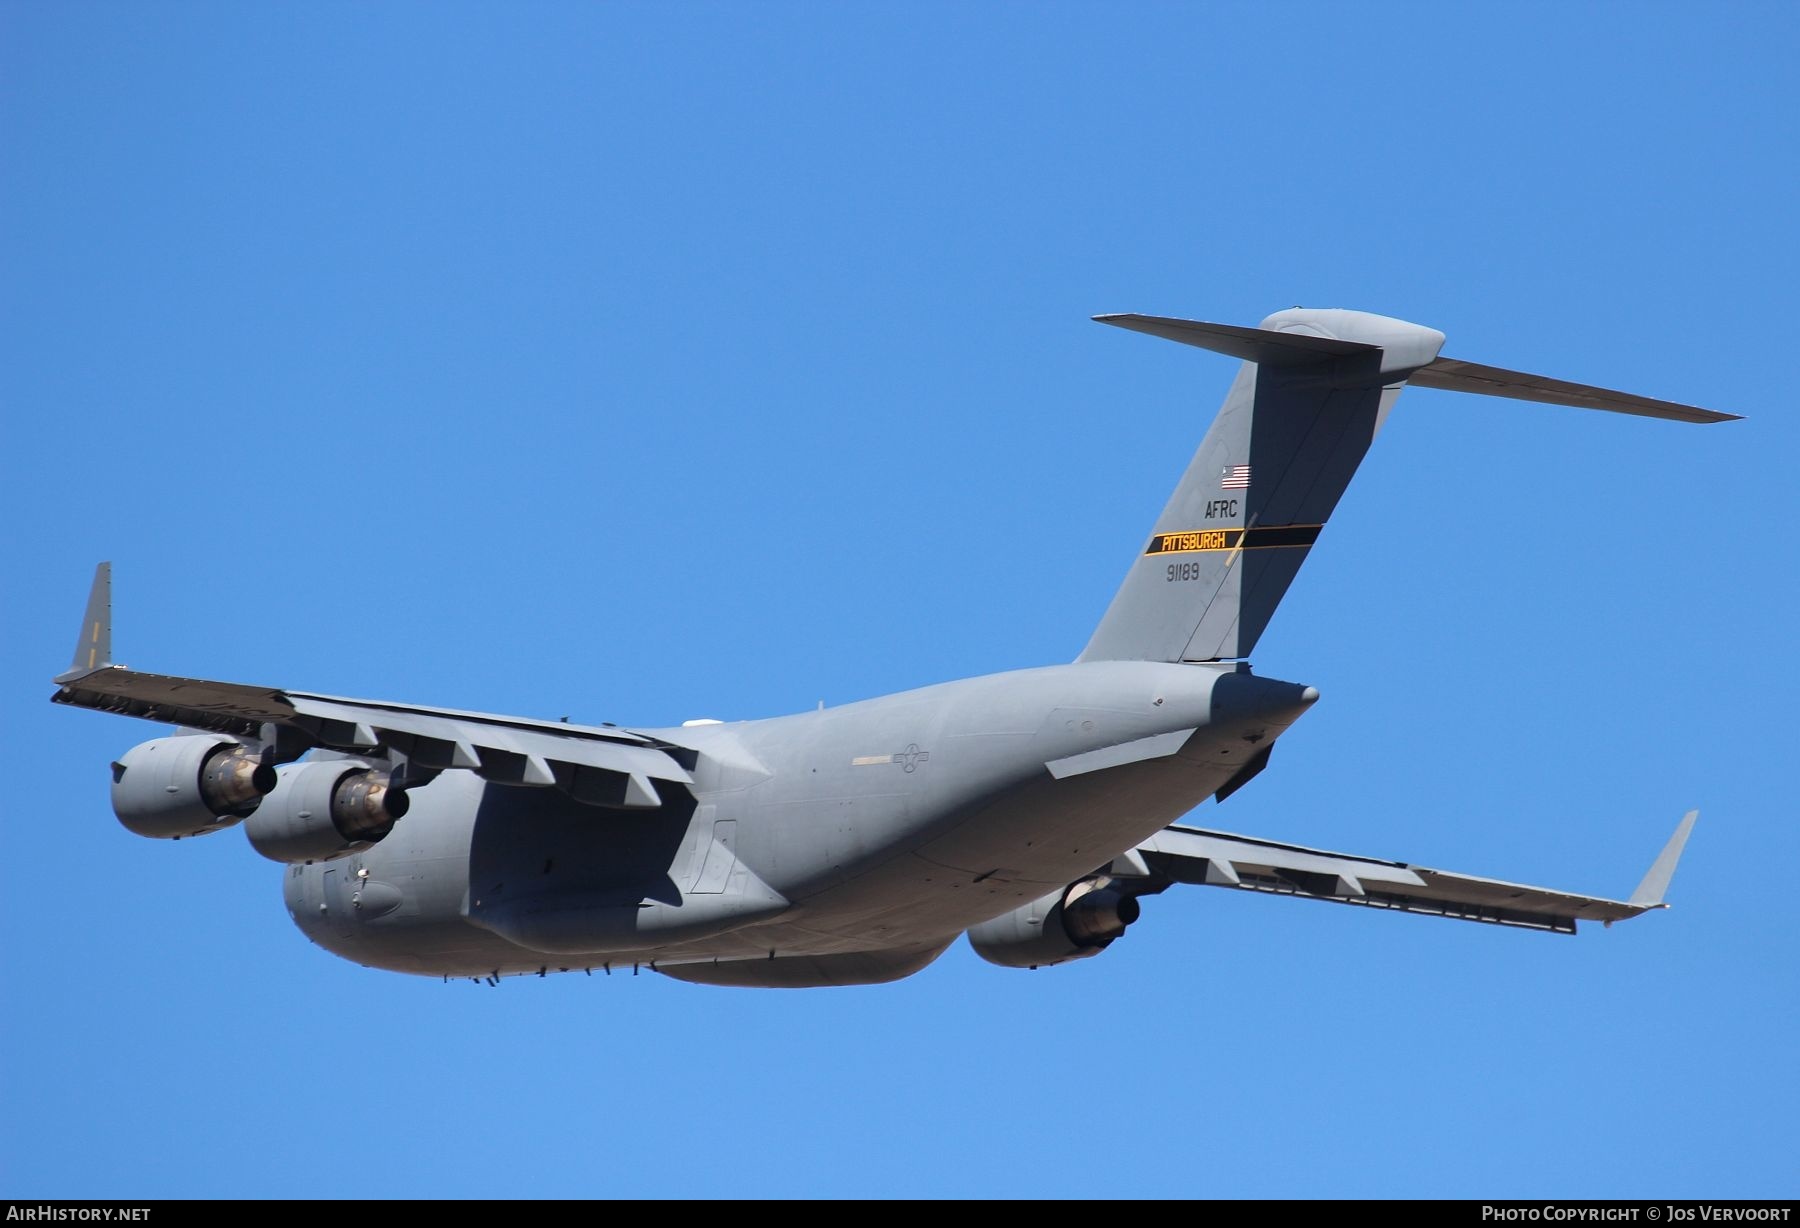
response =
{"points": [[1156, 554], [1233, 540]]}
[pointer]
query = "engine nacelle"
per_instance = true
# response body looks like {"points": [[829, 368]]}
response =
{"points": [[325, 810], [1081, 920], [187, 786]]}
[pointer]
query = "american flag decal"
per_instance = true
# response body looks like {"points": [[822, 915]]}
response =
{"points": [[1235, 478]]}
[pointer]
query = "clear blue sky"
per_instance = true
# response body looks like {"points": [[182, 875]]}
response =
{"points": [[643, 362]]}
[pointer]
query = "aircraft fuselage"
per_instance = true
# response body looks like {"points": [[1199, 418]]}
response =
{"points": [[893, 823]]}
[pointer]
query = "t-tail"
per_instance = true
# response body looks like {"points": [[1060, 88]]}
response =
{"points": [[1314, 389]]}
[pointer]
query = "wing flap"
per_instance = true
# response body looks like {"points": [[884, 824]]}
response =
{"points": [[609, 767], [407, 729], [1221, 859], [217, 707]]}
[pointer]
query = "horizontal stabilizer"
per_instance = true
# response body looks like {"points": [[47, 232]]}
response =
{"points": [[1454, 375], [1259, 345], [1271, 348]]}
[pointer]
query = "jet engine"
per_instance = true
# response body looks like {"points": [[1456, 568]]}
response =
{"points": [[1081, 920], [187, 786], [325, 809]]}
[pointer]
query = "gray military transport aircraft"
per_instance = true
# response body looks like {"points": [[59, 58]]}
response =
{"points": [[1032, 810]]}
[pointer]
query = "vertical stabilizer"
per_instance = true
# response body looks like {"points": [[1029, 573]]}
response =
{"points": [[1313, 390]]}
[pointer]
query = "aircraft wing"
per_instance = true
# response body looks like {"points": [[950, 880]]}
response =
{"points": [[1220, 859], [603, 766]]}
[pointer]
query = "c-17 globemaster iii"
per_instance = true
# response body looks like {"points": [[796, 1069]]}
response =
{"points": [[1031, 810]]}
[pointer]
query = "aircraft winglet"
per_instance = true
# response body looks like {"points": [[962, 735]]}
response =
{"points": [[1650, 892], [93, 646]]}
